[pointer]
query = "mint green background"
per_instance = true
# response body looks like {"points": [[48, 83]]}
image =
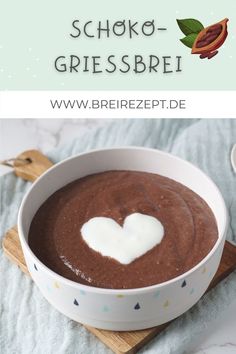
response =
{"points": [[33, 33]]}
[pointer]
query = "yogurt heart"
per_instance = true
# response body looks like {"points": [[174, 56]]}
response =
{"points": [[139, 234]]}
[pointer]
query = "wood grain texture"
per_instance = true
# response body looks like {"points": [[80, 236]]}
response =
{"points": [[120, 342], [12, 249], [36, 164]]}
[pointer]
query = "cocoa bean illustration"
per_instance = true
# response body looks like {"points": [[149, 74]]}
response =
{"points": [[210, 39]]}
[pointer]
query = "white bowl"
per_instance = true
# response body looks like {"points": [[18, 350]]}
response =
{"points": [[117, 309]]}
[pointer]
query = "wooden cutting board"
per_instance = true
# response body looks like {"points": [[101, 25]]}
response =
{"points": [[119, 342]]}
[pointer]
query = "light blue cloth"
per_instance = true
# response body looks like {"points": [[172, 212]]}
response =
{"points": [[30, 325]]}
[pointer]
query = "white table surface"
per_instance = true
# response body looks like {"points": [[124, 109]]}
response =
{"points": [[19, 135]]}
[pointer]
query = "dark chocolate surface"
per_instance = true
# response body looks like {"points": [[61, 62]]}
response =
{"points": [[189, 224]]}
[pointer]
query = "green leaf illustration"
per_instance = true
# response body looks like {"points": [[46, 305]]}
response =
{"points": [[190, 25], [189, 39]]}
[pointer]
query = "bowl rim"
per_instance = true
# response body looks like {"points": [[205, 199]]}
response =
{"points": [[108, 291]]}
